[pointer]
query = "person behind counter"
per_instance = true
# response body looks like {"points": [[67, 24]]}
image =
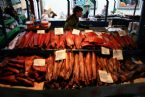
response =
{"points": [[73, 20]]}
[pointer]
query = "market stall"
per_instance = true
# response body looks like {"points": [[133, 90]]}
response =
{"points": [[78, 62]]}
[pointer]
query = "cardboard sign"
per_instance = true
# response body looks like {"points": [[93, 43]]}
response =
{"points": [[105, 51], [39, 62], [118, 54], [76, 32], [105, 77], [40, 31], [58, 31], [60, 55]]}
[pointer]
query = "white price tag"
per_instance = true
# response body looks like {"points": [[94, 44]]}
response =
{"points": [[60, 55], [105, 77], [58, 31], [40, 31], [105, 51], [76, 32], [87, 31], [39, 62], [114, 29], [122, 33], [118, 54]]}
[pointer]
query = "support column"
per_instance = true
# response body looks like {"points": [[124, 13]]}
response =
{"points": [[136, 3], [68, 7], [106, 14], [141, 33], [27, 6], [38, 9]]}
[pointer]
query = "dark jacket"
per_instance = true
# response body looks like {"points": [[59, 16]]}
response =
{"points": [[71, 22]]}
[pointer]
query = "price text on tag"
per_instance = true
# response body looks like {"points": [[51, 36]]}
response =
{"points": [[40, 31], [105, 77], [118, 54], [39, 62], [105, 51], [76, 32], [58, 31], [60, 55]]}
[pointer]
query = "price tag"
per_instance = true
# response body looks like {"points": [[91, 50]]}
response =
{"points": [[118, 54], [105, 51], [60, 55], [58, 31], [39, 62], [114, 29], [122, 33], [86, 31], [40, 31], [76, 32], [105, 77]]}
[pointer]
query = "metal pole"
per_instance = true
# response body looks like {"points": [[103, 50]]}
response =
{"points": [[3, 25], [141, 34], [114, 6], [38, 9], [106, 14], [28, 14], [94, 7], [68, 7], [136, 3]]}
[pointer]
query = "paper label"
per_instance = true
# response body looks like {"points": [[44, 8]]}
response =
{"points": [[76, 32], [58, 31], [122, 33], [60, 55], [118, 54], [39, 62], [105, 51], [114, 29], [105, 77], [40, 31], [86, 31]]}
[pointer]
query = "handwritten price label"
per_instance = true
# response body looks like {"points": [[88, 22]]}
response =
{"points": [[40, 31], [118, 54], [60, 55], [76, 32], [58, 31], [122, 33], [105, 77], [87, 31], [39, 62], [105, 51]]}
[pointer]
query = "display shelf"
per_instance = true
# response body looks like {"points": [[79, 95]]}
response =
{"points": [[123, 90], [42, 52]]}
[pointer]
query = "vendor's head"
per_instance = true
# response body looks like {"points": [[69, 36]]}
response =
{"points": [[77, 10]]}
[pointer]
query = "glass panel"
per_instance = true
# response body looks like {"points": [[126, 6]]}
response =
{"points": [[128, 4]]}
